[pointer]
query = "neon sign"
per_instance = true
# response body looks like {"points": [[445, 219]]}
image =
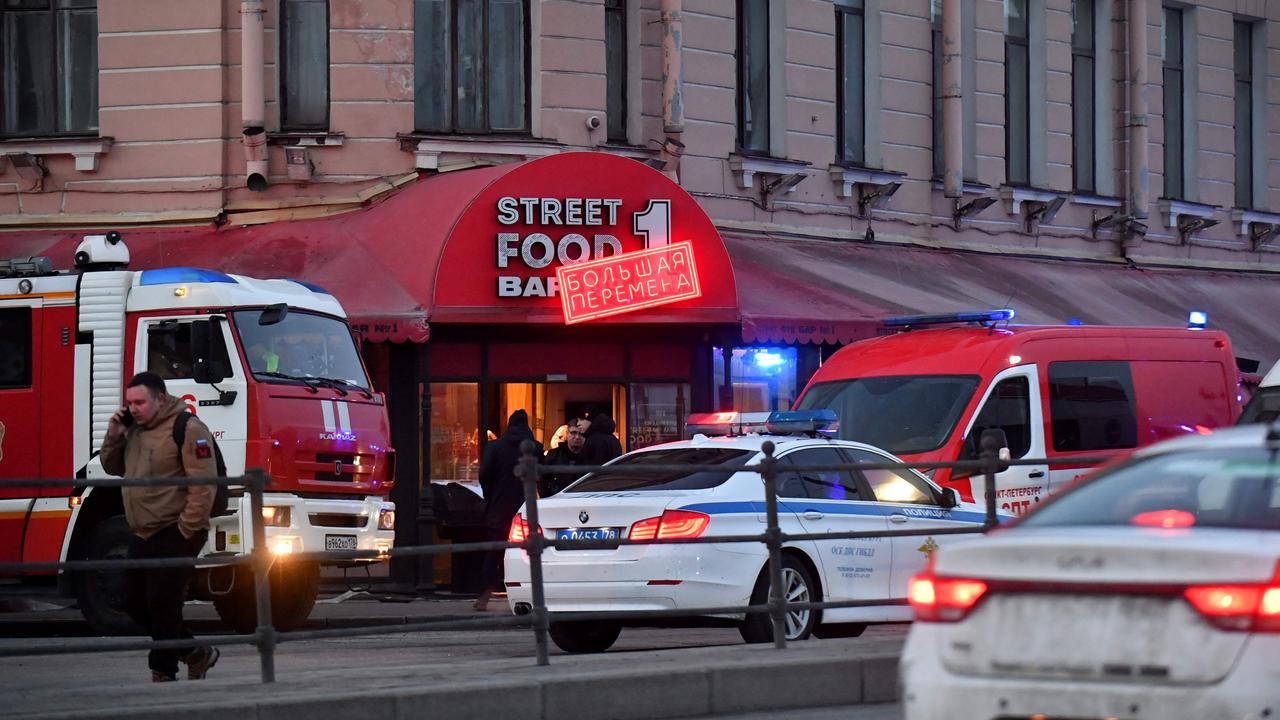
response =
{"points": [[628, 282]]}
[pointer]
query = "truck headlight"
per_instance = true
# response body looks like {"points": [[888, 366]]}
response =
{"points": [[387, 519], [276, 515]]}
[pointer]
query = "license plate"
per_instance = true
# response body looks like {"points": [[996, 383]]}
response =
{"points": [[608, 533], [339, 542]]}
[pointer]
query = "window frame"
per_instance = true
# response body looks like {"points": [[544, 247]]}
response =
{"points": [[25, 316], [1024, 129], [992, 399], [1245, 179], [60, 97], [850, 482], [762, 134], [282, 72], [483, 76], [616, 78], [1175, 151], [1084, 161], [843, 142]]}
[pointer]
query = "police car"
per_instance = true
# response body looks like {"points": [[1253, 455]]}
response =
{"points": [[727, 501], [1149, 590]]}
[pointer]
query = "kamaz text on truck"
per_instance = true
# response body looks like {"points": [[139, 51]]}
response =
{"points": [[1063, 393], [269, 365]]}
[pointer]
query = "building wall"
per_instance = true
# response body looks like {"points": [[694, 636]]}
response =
{"points": [[169, 98]]}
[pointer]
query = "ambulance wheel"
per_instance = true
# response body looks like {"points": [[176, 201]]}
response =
{"points": [[585, 636], [798, 587], [294, 588], [100, 594]]}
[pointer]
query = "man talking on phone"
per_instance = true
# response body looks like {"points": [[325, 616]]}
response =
{"points": [[167, 521]]}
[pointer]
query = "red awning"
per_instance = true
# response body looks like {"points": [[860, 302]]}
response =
{"points": [[832, 291]]}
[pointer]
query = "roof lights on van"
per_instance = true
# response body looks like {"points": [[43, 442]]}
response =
{"points": [[779, 422], [1197, 319], [984, 316]]}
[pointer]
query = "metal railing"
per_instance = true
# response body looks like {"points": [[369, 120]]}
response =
{"points": [[266, 638]]}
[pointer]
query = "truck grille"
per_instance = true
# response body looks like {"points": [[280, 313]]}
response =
{"points": [[327, 468], [337, 520]]}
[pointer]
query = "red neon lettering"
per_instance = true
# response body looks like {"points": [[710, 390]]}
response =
{"points": [[627, 282]]}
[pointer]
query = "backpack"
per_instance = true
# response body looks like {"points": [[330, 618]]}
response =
{"points": [[220, 495]]}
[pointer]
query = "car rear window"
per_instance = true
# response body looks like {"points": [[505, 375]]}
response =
{"points": [[730, 458], [1232, 488]]}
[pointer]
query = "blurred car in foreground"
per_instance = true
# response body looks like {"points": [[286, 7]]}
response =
{"points": [[1149, 590], [644, 505]]}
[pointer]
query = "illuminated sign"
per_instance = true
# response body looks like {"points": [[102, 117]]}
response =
{"points": [[628, 282]]}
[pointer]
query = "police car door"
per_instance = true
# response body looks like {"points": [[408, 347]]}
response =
{"points": [[908, 502], [831, 501], [1012, 404]]}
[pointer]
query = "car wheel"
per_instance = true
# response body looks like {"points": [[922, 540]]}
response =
{"points": [[585, 636], [798, 586]]}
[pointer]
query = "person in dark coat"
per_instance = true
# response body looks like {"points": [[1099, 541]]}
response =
{"points": [[601, 446], [503, 495], [567, 453]]}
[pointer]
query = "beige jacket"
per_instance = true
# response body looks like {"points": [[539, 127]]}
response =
{"points": [[146, 451]]}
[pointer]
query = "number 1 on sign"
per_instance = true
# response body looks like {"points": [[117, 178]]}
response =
{"points": [[654, 223]]}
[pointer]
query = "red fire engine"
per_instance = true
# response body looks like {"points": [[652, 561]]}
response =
{"points": [[269, 365]]}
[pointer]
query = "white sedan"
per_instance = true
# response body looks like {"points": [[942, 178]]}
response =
{"points": [[689, 504], [1151, 590]]}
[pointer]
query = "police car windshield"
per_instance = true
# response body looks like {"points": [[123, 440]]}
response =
{"points": [[730, 458], [1226, 488], [302, 346], [904, 414]]}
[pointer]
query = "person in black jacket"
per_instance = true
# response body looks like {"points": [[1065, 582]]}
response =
{"points": [[567, 453], [503, 495], [601, 446]]}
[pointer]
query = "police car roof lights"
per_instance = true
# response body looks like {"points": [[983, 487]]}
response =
{"points": [[983, 316], [778, 422]]}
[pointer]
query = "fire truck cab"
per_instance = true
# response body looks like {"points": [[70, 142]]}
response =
{"points": [[927, 393], [270, 366]]}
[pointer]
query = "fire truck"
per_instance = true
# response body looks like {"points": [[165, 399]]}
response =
{"points": [[270, 366]]}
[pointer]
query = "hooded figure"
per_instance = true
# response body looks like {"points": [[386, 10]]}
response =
{"points": [[503, 494], [601, 445]]}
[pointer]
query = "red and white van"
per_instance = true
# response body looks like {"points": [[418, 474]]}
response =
{"points": [[1058, 392]]}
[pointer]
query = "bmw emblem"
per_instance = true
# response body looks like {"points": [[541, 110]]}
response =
{"points": [[583, 517]]}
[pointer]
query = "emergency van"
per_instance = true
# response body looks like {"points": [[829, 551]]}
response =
{"points": [[270, 366], [1063, 393]]}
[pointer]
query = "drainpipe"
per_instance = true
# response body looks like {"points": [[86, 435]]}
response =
{"points": [[1138, 128], [253, 110], [952, 104], [672, 86]]}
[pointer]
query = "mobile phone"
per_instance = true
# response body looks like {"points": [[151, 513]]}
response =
{"points": [[127, 418]]}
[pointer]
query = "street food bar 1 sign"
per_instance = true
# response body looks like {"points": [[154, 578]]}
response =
{"points": [[628, 282]]}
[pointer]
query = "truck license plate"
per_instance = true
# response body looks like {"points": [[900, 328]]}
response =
{"points": [[339, 542]]}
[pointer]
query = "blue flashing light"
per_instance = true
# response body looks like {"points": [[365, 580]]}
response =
{"points": [[778, 422], [767, 360], [984, 316], [810, 422], [1074, 322], [1197, 319], [310, 286], [178, 275]]}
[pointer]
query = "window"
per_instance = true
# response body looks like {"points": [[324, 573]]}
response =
{"points": [[851, 96], [759, 378], [455, 446], [470, 66], [1091, 406], [817, 484], [15, 347], [729, 458], [615, 50], [1083, 112], [1017, 93], [939, 156], [170, 354], [753, 76], [1174, 177], [897, 486], [1008, 408], [304, 65], [903, 414], [300, 347], [50, 67], [1244, 113]]}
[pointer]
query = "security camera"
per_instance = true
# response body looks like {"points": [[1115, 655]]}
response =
{"points": [[593, 122]]}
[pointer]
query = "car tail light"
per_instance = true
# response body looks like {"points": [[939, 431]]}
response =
{"points": [[519, 529], [944, 599], [671, 525], [1240, 608]]}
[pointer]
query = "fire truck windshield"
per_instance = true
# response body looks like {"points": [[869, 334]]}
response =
{"points": [[301, 347], [904, 414]]}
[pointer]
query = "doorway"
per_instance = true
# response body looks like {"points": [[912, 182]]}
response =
{"points": [[550, 405]]}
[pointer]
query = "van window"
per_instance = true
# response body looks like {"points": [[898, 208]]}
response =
{"points": [[169, 352], [903, 414], [15, 347], [1008, 408], [1091, 406]]}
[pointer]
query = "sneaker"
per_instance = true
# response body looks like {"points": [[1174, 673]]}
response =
{"points": [[199, 662], [157, 676]]}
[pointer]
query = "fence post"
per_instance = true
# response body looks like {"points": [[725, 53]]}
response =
{"points": [[261, 554], [989, 453], [528, 471], [773, 540]]}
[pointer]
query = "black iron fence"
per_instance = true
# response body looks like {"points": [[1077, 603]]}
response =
{"points": [[266, 638]]}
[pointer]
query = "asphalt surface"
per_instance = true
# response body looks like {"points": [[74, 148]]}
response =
{"points": [[651, 672]]}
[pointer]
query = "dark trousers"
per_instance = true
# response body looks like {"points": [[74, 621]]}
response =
{"points": [[154, 596], [491, 570]]}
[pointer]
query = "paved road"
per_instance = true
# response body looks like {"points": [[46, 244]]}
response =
{"points": [[881, 711]]}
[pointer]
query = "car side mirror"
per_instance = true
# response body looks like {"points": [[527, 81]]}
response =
{"points": [[995, 441], [273, 314], [949, 498]]}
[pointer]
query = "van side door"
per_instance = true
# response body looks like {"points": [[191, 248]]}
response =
{"points": [[1012, 404]]}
